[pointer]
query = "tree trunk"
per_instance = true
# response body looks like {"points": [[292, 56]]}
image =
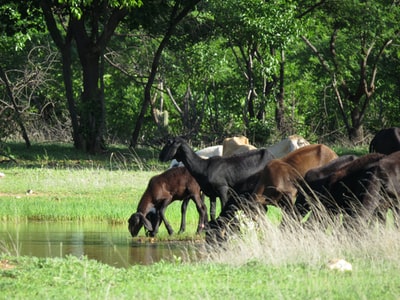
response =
{"points": [[64, 46], [280, 105], [356, 132], [91, 31], [67, 77], [92, 103], [175, 19], [147, 92], [248, 108], [90, 44], [92, 115]]}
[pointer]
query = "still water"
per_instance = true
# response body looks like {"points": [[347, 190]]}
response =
{"points": [[110, 244]]}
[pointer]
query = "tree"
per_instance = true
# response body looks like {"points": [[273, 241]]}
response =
{"points": [[258, 33], [349, 38], [177, 12], [19, 23], [17, 114], [91, 25]]}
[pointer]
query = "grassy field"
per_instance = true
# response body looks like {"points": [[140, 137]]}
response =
{"points": [[53, 182], [74, 278]]}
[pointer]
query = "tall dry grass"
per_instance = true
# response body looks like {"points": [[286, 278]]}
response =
{"points": [[314, 242]]}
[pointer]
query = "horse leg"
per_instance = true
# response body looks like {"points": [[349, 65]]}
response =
{"points": [[213, 204], [224, 195], [202, 210], [183, 214], [155, 221], [162, 215]]}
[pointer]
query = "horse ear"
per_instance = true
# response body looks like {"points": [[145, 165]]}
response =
{"points": [[146, 223]]}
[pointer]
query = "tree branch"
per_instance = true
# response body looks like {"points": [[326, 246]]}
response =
{"points": [[319, 55], [311, 8], [173, 101], [3, 76]]}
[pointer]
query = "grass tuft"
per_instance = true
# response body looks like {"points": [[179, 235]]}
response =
{"points": [[311, 243]]}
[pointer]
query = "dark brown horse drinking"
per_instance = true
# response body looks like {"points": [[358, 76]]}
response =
{"points": [[173, 184]]}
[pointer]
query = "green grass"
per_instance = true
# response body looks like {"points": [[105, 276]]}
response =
{"points": [[59, 155], [74, 278], [69, 194], [270, 262], [81, 195], [69, 185]]}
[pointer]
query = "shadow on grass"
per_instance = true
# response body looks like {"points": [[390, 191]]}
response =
{"points": [[63, 155]]}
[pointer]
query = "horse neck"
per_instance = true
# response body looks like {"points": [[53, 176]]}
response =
{"points": [[194, 163], [145, 203]]}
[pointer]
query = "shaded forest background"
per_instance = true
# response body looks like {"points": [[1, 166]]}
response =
{"points": [[93, 73]]}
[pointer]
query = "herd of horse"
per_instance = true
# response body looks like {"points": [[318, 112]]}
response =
{"points": [[294, 175]]}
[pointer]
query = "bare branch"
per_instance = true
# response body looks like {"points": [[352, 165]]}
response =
{"points": [[339, 99], [332, 44], [319, 55], [3, 77], [173, 101], [375, 66]]}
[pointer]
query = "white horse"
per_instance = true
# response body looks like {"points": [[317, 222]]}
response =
{"points": [[287, 145]]}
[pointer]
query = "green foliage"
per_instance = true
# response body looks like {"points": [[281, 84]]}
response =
{"points": [[76, 7], [269, 24], [368, 27], [260, 131], [20, 22], [207, 55]]}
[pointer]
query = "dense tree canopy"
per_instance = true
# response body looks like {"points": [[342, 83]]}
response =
{"points": [[350, 39], [134, 72]]}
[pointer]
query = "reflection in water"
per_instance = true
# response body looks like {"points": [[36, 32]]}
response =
{"points": [[110, 244]]}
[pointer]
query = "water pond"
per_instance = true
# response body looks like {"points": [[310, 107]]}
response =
{"points": [[110, 244]]}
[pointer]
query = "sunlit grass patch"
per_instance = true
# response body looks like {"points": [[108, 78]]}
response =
{"points": [[74, 277], [69, 194]]}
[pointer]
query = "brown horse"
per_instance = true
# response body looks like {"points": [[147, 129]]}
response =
{"points": [[280, 177], [365, 187]]}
